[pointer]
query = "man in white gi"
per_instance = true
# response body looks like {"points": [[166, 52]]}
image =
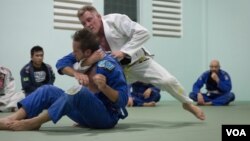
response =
{"points": [[125, 39], [8, 96]]}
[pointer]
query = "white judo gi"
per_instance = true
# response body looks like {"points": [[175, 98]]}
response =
{"points": [[128, 36], [8, 96]]}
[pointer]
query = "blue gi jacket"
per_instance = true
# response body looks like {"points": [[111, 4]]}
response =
{"points": [[111, 68], [28, 80], [224, 85], [67, 61], [115, 80]]}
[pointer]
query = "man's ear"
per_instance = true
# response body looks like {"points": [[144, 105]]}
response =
{"points": [[99, 16], [87, 52]]}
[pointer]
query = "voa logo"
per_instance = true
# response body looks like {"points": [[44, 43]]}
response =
{"points": [[236, 132]]}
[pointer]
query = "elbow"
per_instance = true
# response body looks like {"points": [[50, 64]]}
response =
{"points": [[145, 35]]}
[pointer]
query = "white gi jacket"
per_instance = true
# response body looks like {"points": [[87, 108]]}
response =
{"points": [[128, 36], [8, 95], [125, 35]]}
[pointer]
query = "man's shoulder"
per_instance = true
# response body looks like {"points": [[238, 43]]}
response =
{"points": [[108, 63], [224, 73], [113, 17], [206, 73], [48, 65], [4, 70], [26, 68]]}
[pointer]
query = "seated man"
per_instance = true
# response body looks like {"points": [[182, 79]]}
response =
{"points": [[143, 94], [8, 96], [36, 73], [218, 85], [99, 102]]}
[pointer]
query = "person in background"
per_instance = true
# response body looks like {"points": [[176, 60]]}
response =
{"points": [[218, 85], [143, 94], [99, 101], [124, 38], [8, 96], [36, 73]]}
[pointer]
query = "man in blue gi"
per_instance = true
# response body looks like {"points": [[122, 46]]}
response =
{"points": [[143, 94], [99, 103], [36, 73], [124, 38], [218, 86]]}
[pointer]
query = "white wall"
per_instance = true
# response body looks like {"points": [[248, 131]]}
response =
{"points": [[228, 39], [211, 29], [182, 57], [24, 24]]}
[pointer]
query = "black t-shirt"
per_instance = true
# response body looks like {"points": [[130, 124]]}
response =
{"points": [[212, 83], [41, 75]]}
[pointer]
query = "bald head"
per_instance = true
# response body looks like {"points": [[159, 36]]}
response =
{"points": [[214, 66]]}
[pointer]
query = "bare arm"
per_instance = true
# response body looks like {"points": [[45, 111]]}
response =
{"points": [[68, 71], [82, 78], [96, 56]]}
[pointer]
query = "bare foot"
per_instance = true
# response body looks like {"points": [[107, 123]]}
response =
{"points": [[4, 122], [200, 99], [194, 110], [23, 125], [208, 104], [149, 104]]}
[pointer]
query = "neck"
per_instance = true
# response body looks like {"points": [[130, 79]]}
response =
{"points": [[101, 32], [36, 65]]}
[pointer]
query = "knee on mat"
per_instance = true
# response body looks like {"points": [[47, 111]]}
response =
{"points": [[232, 96], [157, 98]]}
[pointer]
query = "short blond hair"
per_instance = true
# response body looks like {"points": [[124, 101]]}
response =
{"points": [[84, 9]]}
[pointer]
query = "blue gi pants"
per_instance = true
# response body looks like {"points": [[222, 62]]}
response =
{"points": [[84, 107], [216, 99], [138, 101]]}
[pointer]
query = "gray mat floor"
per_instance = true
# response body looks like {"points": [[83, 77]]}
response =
{"points": [[165, 122]]}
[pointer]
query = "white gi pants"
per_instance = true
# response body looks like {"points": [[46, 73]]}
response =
{"points": [[149, 71]]}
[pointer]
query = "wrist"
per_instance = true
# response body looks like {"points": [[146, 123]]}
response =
{"points": [[104, 87]]}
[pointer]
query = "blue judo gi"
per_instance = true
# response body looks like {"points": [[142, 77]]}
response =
{"points": [[219, 94], [93, 110], [67, 61], [138, 88]]}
